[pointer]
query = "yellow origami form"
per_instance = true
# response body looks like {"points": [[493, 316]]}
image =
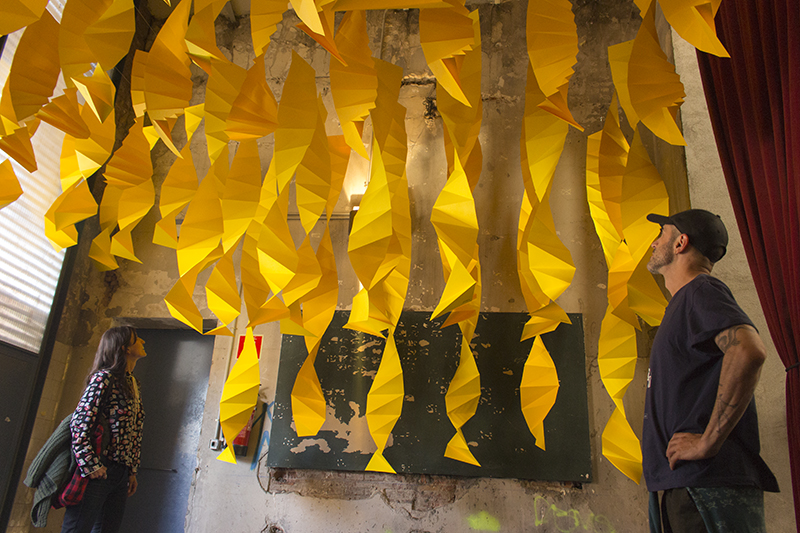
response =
{"points": [[694, 21], [201, 36], [538, 389], [35, 69], [308, 401], [167, 77], [255, 288], [619, 57], [354, 82], [16, 14], [73, 205], [254, 113], [73, 51], [385, 403], [131, 170], [264, 18], [239, 200], [18, 146], [324, 38], [10, 189], [239, 396], [445, 34], [461, 401], [297, 119], [222, 293], [202, 228], [606, 158], [619, 274], [616, 356], [277, 257], [92, 153], [177, 190], [313, 181], [552, 47], [655, 88], [98, 91], [223, 87], [644, 295], [544, 320], [109, 37], [179, 299], [462, 123], [543, 136], [138, 69], [64, 113], [108, 215], [456, 222], [643, 192], [621, 446]]}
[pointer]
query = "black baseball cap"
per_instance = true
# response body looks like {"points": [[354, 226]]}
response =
{"points": [[706, 231]]}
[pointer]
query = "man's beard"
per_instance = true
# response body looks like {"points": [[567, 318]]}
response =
{"points": [[660, 258]]}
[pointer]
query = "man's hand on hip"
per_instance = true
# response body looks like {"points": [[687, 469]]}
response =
{"points": [[687, 447]]}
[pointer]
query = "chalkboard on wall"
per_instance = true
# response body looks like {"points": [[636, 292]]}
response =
{"points": [[498, 435]]}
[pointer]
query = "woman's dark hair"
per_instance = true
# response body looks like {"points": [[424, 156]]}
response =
{"points": [[111, 353]]}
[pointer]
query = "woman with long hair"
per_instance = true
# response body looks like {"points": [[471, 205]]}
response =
{"points": [[110, 401]]}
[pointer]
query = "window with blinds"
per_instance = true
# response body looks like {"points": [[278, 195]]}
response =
{"points": [[29, 266]]}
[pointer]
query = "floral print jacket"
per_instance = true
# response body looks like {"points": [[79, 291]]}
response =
{"points": [[124, 415]]}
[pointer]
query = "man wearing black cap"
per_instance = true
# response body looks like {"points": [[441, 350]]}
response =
{"points": [[700, 442]]}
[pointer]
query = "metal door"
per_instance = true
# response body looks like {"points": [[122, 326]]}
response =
{"points": [[174, 380]]}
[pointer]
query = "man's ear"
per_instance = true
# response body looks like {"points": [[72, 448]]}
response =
{"points": [[681, 243]]}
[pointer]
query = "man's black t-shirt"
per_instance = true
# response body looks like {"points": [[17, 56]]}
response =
{"points": [[682, 383]]}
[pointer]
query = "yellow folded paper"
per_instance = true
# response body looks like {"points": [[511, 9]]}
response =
{"points": [[240, 394], [694, 21], [621, 446], [619, 57], [655, 88], [10, 189], [167, 77], [254, 113], [98, 91], [109, 37], [177, 190], [385, 403], [264, 18], [202, 228], [222, 291], [34, 72], [643, 192], [297, 119], [354, 82], [461, 401], [239, 199], [538, 389], [16, 14], [18, 146], [223, 87], [73, 52], [64, 113], [552, 47], [445, 34]]}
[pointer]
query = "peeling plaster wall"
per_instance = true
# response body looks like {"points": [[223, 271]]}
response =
{"points": [[250, 497]]}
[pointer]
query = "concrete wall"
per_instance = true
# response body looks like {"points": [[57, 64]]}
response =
{"points": [[249, 497]]}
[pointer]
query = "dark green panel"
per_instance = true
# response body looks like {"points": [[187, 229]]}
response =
{"points": [[498, 435]]}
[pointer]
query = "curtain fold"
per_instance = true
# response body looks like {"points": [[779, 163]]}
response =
{"points": [[754, 102]]}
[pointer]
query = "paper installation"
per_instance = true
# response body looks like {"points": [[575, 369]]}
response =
{"points": [[232, 209]]}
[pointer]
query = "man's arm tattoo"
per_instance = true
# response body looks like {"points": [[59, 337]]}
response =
{"points": [[728, 338], [724, 409]]}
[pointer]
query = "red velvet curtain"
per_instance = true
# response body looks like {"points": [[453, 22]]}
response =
{"points": [[754, 102]]}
